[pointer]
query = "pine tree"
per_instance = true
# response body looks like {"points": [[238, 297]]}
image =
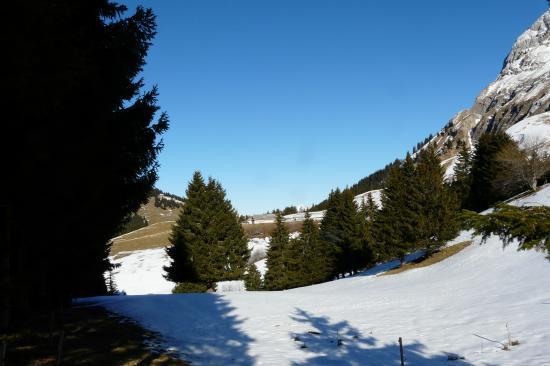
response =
{"points": [[229, 253], [340, 233], [188, 235], [437, 204], [462, 180], [276, 275], [87, 130], [329, 232], [208, 243], [485, 169], [396, 223], [253, 279], [315, 253]]}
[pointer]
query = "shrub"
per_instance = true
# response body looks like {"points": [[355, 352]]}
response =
{"points": [[189, 287]]}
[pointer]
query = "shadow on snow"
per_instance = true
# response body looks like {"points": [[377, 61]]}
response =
{"points": [[200, 328], [341, 344]]}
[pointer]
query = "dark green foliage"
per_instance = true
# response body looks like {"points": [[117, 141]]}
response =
{"points": [[207, 242], [286, 211], [135, 222], [341, 234], [157, 192], [462, 176], [418, 208], [166, 200], [189, 287], [276, 277], [529, 225], [314, 254], [166, 203], [486, 167], [253, 279], [438, 205], [396, 223], [82, 135]]}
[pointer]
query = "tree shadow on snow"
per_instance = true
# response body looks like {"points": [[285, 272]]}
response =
{"points": [[202, 329], [340, 343], [387, 266], [212, 335]]}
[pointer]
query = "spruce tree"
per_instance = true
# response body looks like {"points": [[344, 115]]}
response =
{"points": [[228, 245], [462, 180], [253, 279], [208, 243], [315, 253], [188, 235], [396, 223], [437, 204], [329, 232], [485, 169], [87, 130], [276, 275]]}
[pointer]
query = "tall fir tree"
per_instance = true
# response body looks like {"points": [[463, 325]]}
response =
{"points": [[340, 233], [485, 169], [396, 223], [208, 242], [438, 205], [316, 255], [87, 130], [188, 234], [462, 180], [276, 275], [229, 251]]}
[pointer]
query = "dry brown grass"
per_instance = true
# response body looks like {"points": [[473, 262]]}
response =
{"points": [[434, 258], [152, 236], [92, 336], [155, 214], [156, 234], [261, 230]]}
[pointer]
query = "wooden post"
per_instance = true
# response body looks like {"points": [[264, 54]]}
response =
{"points": [[3, 348], [60, 348], [401, 351]]}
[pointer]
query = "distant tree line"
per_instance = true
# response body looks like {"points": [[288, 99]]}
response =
{"points": [[166, 200], [289, 210], [374, 181], [81, 134], [136, 221]]}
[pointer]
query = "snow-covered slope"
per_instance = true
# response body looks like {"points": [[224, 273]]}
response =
{"points": [[483, 291], [531, 130]]}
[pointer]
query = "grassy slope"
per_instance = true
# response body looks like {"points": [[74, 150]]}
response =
{"points": [[155, 235]]}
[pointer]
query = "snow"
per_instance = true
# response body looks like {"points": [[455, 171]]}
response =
{"points": [[376, 197], [261, 265], [450, 169], [531, 130], [141, 272], [258, 246], [230, 286], [438, 310], [528, 61]]}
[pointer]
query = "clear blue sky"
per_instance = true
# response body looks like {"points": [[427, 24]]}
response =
{"points": [[283, 100]]}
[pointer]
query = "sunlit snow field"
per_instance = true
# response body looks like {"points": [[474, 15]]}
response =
{"points": [[438, 310]]}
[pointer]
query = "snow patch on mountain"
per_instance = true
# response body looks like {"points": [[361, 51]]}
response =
{"points": [[531, 130]]}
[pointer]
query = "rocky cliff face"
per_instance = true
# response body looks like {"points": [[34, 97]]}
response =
{"points": [[521, 90]]}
